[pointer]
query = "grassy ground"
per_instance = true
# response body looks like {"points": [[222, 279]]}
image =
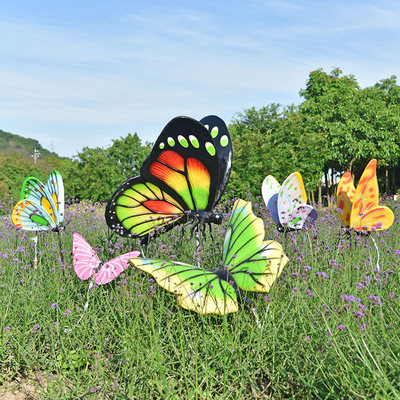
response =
{"points": [[329, 329]]}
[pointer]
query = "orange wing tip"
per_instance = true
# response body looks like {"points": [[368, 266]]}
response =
{"points": [[372, 164]]}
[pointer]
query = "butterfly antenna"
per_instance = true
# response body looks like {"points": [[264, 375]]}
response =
{"points": [[85, 307]]}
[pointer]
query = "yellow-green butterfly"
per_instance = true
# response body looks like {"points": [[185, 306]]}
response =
{"points": [[250, 264]]}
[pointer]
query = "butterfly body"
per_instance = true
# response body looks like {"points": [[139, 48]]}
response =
{"points": [[250, 264], [287, 203], [181, 180], [206, 216]]}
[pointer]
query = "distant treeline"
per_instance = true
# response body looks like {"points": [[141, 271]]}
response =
{"points": [[93, 174], [11, 143], [339, 126]]}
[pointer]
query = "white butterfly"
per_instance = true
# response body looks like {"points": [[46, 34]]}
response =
{"points": [[287, 203]]}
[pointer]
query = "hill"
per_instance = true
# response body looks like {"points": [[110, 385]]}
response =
{"points": [[11, 143]]}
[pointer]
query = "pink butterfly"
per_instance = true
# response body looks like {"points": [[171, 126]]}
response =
{"points": [[87, 263]]}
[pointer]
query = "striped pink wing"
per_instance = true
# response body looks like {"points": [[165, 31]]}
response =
{"points": [[111, 269], [85, 259]]}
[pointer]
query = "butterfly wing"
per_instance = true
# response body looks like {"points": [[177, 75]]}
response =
{"points": [[300, 214], [344, 197], [269, 190], [113, 268], [273, 208], [34, 191], [186, 170], [55, 188], [313, 216], [269, 187], [30, 216], [254, 263], [138, 206], [291, 194], [185, 163], [85, 259], [223, 145], [366, 214], [196, 290]]}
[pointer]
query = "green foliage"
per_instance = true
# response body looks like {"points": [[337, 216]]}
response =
{"points": [[330, 112], [339, 126], [273, 140], [96, 173], [357, 124], [11, 143], [15, 168], [252, 137]]}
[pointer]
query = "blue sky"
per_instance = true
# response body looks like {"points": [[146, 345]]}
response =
{"points": [[81, 73]]}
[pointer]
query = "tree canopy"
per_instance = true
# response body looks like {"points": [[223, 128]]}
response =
{"points": [[338, 127]]}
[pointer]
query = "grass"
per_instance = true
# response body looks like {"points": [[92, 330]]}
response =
{"points": [[329, 327]]}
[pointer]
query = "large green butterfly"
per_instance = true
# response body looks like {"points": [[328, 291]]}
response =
{"points": [[250, 264]]}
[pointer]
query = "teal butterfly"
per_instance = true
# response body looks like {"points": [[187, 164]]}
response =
{"points": [[250, 264], [41, 207]]}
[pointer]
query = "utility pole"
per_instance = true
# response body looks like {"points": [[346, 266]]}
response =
{"points": [[35, 155]]}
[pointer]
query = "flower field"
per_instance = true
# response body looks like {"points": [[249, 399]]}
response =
{"points": [[328, 329]]}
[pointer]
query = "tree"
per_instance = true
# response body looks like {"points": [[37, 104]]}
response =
{"points": [[101, 171], [330, 112], [297, 149], [357, 124], [128, 154], [251, 134]]}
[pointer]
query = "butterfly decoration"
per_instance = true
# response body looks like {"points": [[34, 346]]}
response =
{"points": [[250, 264], [181, 180], [87, 264], [359, 208], [41, 207], [287, 203]]}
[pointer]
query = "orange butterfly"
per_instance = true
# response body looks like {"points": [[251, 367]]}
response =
{"points": [[360, 208]]}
